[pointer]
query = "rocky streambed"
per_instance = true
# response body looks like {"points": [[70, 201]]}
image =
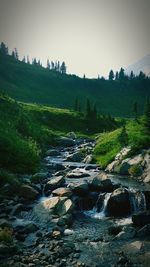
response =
{"points": [[74, 214]]}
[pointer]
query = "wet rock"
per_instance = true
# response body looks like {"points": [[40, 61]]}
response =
{"points": [[56, 234], [26, 227], [114, 230], [7, 249], [76, 157], [59, 206], [88, 159], [28, 192], [101, 183], [55, 166], [66, 141], [16, 209], [68, 232], [71, 135], [62, 192], [53, 153], [54, 183], [126, 233], [144, 231], [80, 188], [66, 206], [4, 223], [141, 218], [119, 203], [77, 174]]}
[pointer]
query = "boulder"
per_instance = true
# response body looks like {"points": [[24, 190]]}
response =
{"points": [[119, 203], [101, 183], [59, 206], [4, 223], [62, 192], [66, 141], [54, 183], [112, 166], [141, 218], [77, 174], [126, 233], [144, 231], [75, 157], [88, 159], [71, 135], [28, 192], [65, 207], [80, 188], [53, 153]]}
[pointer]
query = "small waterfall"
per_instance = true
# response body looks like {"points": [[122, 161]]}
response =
{"points": [[138, 201], [99, 210]]}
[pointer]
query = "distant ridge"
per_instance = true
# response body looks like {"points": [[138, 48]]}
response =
{"points": [[141, 65]]}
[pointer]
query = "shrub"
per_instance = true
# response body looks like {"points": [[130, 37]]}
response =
{"points": [[135, 170], [6, 235]]}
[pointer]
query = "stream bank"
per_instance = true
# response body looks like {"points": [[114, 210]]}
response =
{"points": [[74, 214]]}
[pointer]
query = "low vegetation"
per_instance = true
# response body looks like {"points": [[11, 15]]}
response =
{"points": [[134, 134], [26, 130]]}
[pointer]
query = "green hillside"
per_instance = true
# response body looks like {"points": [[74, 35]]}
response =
{"points": [[31, 83], [26, 130]]}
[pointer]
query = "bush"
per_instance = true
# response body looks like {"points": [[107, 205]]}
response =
{"points": [[16, 154], [6, 235], [135, 170]]}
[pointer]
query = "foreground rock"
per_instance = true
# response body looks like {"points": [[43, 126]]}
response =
{"points": [[62, 192], [54, 183], [141, 219], [66, 141], [119, 203], [28, 192], [59, 206], [101, 183]]}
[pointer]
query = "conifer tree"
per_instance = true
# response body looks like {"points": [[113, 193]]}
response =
{"points": [[111, 75], [147, 114], [135, 110]]}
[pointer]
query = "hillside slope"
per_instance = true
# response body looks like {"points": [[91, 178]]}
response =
{"points": [[30, 83]]}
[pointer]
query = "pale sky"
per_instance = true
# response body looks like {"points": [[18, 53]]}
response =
{"points": [[91, 36]]}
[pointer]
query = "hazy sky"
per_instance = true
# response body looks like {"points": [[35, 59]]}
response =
{"points": [[91, 36]]}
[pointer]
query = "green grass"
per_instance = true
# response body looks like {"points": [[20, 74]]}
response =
{"points": [[27, 130], [30, 83], [108, 144]]}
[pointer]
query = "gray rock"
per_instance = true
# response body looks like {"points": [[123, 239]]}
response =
{"points": [[119, 203], [28, 192], [77, 174], [80, 188], [144, 231], [66, 141], [54, 183], [101, 183], [75, 157], [52, 152], [62, 192], [141, 218]]}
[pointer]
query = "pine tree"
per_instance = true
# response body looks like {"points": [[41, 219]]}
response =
{"points": [[76, 105], [28, 60], [48, 64], [132, 75], [63, 68], [3, 49], [123, 137], [111, 75], [147, 114], [121, 74], [16, 54], [24, 59], [117, 76], [88, 109], [135, 110]]}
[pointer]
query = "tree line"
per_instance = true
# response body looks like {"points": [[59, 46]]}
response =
{"points": [[51, 65]]}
